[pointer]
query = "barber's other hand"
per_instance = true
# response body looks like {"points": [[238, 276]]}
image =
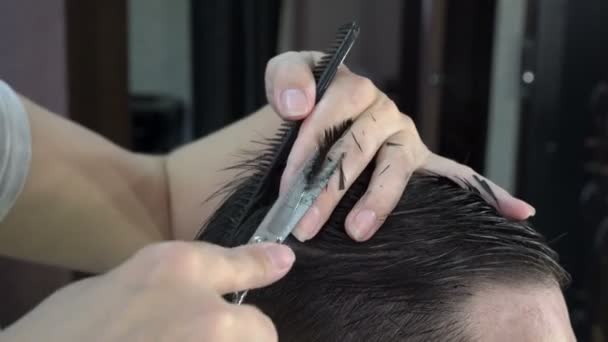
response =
{"points": [[167, 292], [379, 129]]}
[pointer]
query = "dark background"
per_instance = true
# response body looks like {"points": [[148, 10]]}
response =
{"points": [[160, 73]]}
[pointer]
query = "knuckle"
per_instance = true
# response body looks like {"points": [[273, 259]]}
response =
{"points": [[414, 154], [219, 323], [175, 262], [407, 123], [289, 57], [388, 107], [278, 65], [408, 158], [180, 257], [363, 83], [263, 324], [423, 151], [225, 320], [469, 171], [313, 55], [344, 68], [278, 59], [363, 91], [260, 260], [224, 262]]}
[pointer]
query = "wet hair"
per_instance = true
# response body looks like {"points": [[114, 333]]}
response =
{"points": [[410, 281]]}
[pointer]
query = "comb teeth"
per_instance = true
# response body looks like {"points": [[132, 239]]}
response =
{"points": [[325, 70], [248, 190]]}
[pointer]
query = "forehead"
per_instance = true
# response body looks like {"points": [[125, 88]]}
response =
{"points": [[519, 313]]}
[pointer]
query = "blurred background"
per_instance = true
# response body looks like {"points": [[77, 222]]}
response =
{"points": [[516, 89]]}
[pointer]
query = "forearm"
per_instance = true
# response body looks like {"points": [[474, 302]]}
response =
{"points": [[195, 171], [87, 204]]}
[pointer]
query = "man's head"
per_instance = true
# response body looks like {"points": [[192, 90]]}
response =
{"points": [[443, 267]]}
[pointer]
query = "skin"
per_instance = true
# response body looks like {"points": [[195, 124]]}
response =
{"points": [[379, 129], [99, 203], [506, 313], [167, 292], [91, 205]]}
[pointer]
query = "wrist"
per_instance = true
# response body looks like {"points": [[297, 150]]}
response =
{"points": [[152, 187]]}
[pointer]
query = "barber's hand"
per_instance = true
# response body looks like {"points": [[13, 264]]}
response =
{"points": [[166, 292], [379, 128]]}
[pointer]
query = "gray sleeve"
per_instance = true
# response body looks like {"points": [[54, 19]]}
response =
{"points": [[15, 148]]}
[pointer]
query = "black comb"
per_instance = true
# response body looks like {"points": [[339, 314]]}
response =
{"points": [[325, 70], [261, 188]]}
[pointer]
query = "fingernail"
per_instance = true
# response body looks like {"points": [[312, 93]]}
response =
{"points": [[362, 225], [294, 102], [309, 225], [280, 256], [531, 209]]}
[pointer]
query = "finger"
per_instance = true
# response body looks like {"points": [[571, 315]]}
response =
{"points": [[358, 146], [395, 163], [253, 325], [290, 84], [347, 97], [248, 267], [504, 202]]}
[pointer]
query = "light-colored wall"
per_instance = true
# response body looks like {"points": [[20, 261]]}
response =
{"points": [[505, 97], [159, 48]]}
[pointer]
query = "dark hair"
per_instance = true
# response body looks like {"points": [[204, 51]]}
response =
{"points": [[409, 282]]}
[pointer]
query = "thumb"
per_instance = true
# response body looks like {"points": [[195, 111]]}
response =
{"points": [[290, 84], [249, 266]]}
